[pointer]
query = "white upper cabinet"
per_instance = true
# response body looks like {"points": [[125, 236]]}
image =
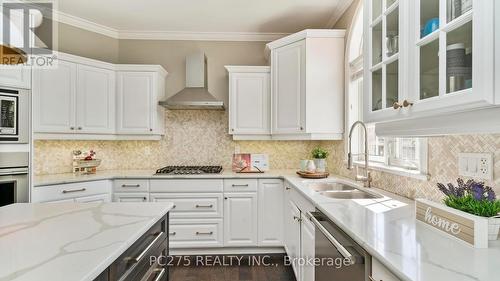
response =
{"points": [[95, 100], [307, 85], [15, 77], [385, 42], [76, 97], [54, 99], [289, 88], [87, 99], [444, 63], [249, 102], [137, 101]]}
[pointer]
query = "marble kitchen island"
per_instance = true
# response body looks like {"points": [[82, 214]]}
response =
{"points": [[82, 241]]}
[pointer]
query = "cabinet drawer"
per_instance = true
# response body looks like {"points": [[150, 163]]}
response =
{"points": [[205, 233], [131, 264], [131, 197], [186, 185], [188, 205], [68, 191], [131, 186], [243, 185]]}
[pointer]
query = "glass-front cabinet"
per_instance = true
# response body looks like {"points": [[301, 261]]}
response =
{"points": [[385, 46], [438, 57]]}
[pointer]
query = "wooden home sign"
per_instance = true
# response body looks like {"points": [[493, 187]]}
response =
{"points": [[465, 227]]}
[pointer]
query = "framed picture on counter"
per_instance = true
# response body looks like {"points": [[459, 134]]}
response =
{"points": [[250, 163]]}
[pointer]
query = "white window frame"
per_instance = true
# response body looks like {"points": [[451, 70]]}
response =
{"points": [[354, 71]]}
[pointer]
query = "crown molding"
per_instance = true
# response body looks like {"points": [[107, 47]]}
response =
{"points": [[201, 36], [165, 35], [86, 24], [339, 11]]}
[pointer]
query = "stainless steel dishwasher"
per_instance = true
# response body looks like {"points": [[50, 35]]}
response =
{"points": [[339, 257]]}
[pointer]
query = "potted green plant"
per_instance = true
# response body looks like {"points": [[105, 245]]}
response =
{"points": [[474, 198], [319, 155]]}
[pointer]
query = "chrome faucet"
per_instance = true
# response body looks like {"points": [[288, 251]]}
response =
{"points": [[366, 179]]}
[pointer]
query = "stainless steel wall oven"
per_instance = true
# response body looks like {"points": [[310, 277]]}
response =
{"points": [[14, 116]]}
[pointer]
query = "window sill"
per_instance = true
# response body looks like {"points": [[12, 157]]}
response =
{"points": [[394, 170]]}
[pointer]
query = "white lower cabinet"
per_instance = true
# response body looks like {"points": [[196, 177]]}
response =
{"points": [[299, 234], [270, 211], [292, 235], [307, 237], [92, 191], [131, 197], [188, 205], [195, 233], [381, 273], [240, 219]]}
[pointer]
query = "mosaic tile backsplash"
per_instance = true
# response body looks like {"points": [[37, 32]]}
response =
{"points": [[200, 138]]}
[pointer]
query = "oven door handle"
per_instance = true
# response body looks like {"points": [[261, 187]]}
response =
{"points": [[342, 250]]}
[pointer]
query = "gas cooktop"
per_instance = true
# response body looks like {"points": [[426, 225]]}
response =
{"points": [[189, 170]]}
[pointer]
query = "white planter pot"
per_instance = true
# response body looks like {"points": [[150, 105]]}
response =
{"points": [[493, 229], [320, 165]]}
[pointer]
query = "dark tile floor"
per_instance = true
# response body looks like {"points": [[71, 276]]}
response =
{"points": [[242, 270]]}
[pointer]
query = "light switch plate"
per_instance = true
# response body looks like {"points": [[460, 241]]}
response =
{"points": [[476, 165]]}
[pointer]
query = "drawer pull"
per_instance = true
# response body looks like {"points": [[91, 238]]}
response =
{"points": [[204, 233], [240, 185], [74, 190], [205, 206], [131, 185], [172, 233], [146, 250], [287, 188], [173, 207]]}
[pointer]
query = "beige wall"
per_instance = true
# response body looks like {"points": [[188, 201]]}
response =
{"points": [[171, 55], [83, 43]]}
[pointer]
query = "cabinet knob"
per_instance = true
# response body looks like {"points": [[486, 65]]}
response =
{"points": [[302, 128], [287, 188], [150, 130], [407, 103], [232, 130], [79, 128], [396, 105], [225, 198], [144, 198], [71, 128]]}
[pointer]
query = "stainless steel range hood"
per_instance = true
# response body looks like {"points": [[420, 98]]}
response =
{"points": [[196, 94]]}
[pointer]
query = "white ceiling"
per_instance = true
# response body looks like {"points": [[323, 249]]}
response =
{"points": [[238, 16]]}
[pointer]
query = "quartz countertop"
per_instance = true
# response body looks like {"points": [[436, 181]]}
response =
{"points": [[384, 227], [387, 229], [70, 241], [53, 179]]}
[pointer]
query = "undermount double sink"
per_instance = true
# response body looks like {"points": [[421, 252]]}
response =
{"points": [[338, 190]]}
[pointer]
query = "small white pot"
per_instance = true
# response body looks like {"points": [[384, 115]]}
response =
{"points": [[320, 165]]}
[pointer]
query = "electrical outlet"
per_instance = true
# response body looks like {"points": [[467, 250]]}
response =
{"points": [[476, 165]]}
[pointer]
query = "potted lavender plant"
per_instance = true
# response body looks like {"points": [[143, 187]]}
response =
{"points": [[477, 199]]}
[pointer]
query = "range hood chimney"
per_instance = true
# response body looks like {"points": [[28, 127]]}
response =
{"points": [[196, 94]]}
